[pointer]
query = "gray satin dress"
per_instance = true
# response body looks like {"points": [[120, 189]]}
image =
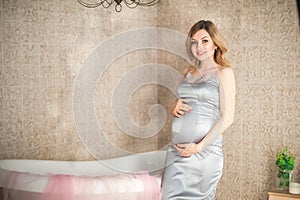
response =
{"points": [[195, 177]]}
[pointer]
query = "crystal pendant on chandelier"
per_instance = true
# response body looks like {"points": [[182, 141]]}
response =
{"points": [[118, 3]]}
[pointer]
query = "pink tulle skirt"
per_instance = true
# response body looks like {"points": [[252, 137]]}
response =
{"points": [[139, 186]]}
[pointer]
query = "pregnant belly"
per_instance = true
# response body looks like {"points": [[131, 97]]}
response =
{"points": [[190, 127]]}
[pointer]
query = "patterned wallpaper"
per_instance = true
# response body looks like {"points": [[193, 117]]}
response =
{"points": [[43, 45]]}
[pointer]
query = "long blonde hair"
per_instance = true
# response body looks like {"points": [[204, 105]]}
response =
{"points": [[217, 38]]}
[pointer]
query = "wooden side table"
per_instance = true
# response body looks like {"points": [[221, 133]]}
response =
{"points": [[282, 195]]}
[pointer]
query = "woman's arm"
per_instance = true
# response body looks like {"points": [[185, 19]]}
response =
{"points": [[227, 107], [181, 106]]}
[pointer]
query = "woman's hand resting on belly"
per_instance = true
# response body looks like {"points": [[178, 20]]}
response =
{"points": [[187, 150], [181, 107]]}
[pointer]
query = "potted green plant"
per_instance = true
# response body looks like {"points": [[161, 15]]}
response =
{"points": [[285, 161]]}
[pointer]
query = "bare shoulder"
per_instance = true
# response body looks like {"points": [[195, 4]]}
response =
{"points": [[227, 73], [227, 78]]}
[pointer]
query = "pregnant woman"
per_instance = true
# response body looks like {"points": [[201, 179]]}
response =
{"points": [[204, 110]]}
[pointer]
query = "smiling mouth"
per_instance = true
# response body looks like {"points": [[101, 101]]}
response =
{"points": [[200, 53]]}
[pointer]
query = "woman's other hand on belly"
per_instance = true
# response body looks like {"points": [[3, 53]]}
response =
{"points": [[181, 108], [187, 149]]}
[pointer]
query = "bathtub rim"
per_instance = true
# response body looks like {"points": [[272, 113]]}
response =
{"points": [[153, 162]]}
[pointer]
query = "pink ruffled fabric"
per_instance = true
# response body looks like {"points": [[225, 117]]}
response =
{"points": [[140, 186], [17, 184]]}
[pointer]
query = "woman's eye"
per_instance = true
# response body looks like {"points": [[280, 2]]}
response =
{"points": [[194, 43], [204, 41]]}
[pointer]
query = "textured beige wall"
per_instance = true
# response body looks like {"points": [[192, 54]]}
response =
{"points": [[43, 44]]}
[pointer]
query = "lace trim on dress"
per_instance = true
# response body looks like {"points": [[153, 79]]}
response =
{"points": [[190, 78]]}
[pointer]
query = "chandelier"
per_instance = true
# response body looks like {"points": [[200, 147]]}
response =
{"points": [[118, 3]]}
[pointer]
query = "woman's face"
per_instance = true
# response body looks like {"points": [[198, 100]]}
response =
{"points": [[202, 45]]}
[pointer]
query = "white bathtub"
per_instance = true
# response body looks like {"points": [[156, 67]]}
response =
{"points": [[32, 176]]}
